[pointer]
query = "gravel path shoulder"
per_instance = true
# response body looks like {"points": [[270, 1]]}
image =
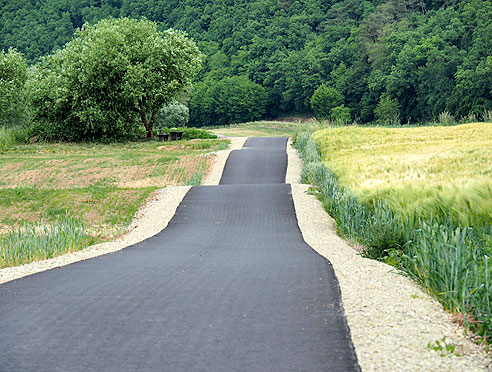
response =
{"points": [[213, 178], [391, 319]]}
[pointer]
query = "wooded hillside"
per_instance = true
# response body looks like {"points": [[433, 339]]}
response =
{"points": [[418, 57]]}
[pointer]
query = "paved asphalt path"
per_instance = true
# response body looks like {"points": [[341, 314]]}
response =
{"points": [[229, 285]]}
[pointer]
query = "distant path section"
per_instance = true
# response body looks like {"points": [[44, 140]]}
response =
{"points": [[229, 285], [260, 161]]}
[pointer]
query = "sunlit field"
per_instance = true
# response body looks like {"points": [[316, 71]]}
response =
{"points": [[423, 170], [257, 129]]}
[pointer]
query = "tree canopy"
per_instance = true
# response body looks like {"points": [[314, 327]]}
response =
{"points": [[428, 56], [109, 77]]}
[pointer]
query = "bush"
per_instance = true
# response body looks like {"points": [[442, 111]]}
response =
{"points": [[324, 100], [227, 101], [387, 111], [445, 118], [174, 114], [9, 137], [341, 114]]}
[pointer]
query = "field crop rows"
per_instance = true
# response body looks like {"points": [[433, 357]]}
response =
{"points": [[438, 234]]}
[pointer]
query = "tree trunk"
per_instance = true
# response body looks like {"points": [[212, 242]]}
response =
{"points": [[151, 123], [148, 125]]}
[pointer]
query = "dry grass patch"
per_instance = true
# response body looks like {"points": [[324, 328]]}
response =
{"points": [[151, 163]]}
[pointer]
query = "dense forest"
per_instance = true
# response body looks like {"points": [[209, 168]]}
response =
{"points": [[411, 58]]}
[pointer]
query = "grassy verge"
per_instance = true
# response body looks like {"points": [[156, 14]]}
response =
{"points": [[447, 257], [56, 198]]}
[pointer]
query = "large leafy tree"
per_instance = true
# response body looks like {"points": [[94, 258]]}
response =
{"points": [[109, 78]]}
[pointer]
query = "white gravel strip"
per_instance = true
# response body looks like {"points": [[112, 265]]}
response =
{"points": [[390, 318], [213, 178]]}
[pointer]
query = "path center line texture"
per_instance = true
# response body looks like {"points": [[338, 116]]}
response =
{"points": [[229, 285]]}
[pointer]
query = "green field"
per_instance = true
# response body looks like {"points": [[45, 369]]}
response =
{"points": [[257, 129], [65, 186]]}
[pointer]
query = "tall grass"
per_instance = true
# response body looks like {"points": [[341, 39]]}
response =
{"points": [[11, 136], [450, 260], [7, 139], [39, 241]]}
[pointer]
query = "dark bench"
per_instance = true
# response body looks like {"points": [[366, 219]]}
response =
{"points": [[163, 137], [176, 135]]}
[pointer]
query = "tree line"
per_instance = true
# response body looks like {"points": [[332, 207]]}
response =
{"points": [[393, 61]]}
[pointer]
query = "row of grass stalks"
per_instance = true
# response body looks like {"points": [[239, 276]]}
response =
{"points": [[40, 241], [451, 261]]}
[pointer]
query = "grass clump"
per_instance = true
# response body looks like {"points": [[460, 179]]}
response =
{"points": [[40, 241], [446, 253], [445, 118]]}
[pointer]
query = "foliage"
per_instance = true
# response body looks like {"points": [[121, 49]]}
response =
{"points": [[325, 99], [230, 100], [448, 258], [429, 55], [110, 76], [387, 111], [341, 114], [12, 136], [39, 241], [13, 76], [174, 114], [445, 118]]}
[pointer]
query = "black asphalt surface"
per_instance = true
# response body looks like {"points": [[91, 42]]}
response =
{"points": [[229, 285]]}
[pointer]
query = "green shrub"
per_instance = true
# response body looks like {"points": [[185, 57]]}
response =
{"points": [[325, 99], [9, 137], [341, 114], [445, 118], [13, 76], [174, 114], [387, 111]]}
